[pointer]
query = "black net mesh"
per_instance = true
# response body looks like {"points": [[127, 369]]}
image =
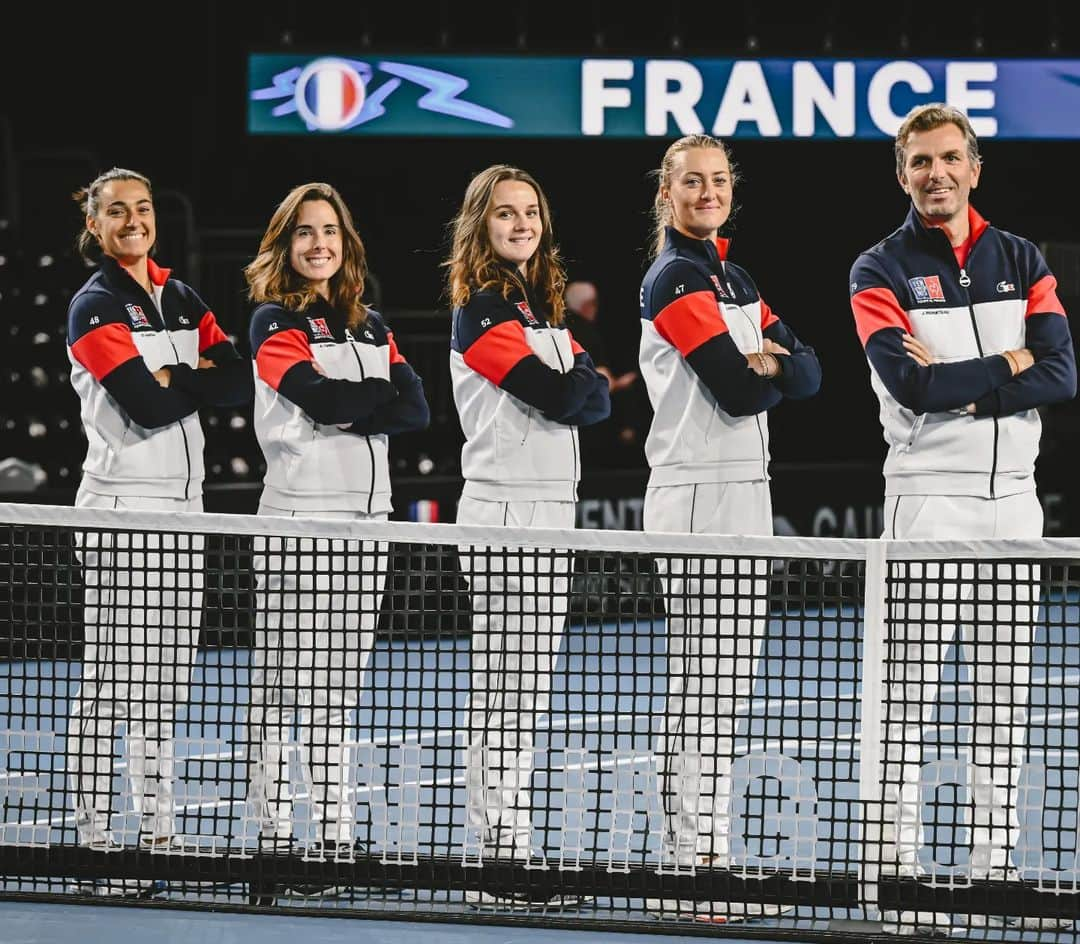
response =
{"points": [[491, 724]]}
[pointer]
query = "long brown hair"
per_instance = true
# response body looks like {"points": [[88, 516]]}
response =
{"points": [[271, 278], [89, 200], [473, 264], [661, 210]]}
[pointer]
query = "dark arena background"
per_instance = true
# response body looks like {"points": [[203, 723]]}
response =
{"points": [[164, 93]]}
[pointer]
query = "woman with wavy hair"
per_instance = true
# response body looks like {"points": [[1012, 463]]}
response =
{"points": [[331, 387], [522, 386]]}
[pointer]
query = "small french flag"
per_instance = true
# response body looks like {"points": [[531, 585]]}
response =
{"points": [[426, 510]]}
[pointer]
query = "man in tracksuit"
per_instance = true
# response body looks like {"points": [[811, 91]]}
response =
{"points": [[966, 338]]}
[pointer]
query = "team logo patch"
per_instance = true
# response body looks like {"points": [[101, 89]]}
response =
{"points": [[137, 316], [1003, 288], [320, 330], [716, 285], [927, 288], [526, 313]]}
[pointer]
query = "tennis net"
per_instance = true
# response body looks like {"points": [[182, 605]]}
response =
{"points": [[795, 737]]}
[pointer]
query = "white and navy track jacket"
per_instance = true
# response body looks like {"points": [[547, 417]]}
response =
{"points": [[700, 316], [1002, 298], [144, 439], [327, 398], [522, 387]]}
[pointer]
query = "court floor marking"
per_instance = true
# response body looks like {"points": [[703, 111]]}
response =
{"points": [[1036, 718], [837, 744]]}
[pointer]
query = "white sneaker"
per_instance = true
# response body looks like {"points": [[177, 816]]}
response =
{"points": [[1010, 922], [523, 901], [173, 844], [908, 923], [714, 912], [312, 891], [138, 889]]}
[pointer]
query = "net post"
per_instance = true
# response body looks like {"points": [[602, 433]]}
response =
{"points": [[871, 731]]}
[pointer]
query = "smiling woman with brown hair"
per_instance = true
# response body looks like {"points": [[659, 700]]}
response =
{"points": [[331, 388], [522, 386]]}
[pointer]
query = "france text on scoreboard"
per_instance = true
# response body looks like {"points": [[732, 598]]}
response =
{"points": [[519, 96]]}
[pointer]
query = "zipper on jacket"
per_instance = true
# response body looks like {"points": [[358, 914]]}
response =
{"points": [[367, 439], [757, 416], [573, 438], [915, 428], [183, 432], [965, 282]]}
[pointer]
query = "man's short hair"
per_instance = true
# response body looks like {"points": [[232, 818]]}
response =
{"points": [[927, 118]]}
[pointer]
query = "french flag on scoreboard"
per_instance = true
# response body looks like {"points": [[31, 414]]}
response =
{"points": [[330, 94], [425, 510]]}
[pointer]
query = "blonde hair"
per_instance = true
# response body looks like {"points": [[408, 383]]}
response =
{"points": [[271, 277], [927, 118], [661, 209], [474, 265], [89, 200]]}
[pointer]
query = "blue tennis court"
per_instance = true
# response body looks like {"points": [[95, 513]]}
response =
{"points": [[795, 788]]}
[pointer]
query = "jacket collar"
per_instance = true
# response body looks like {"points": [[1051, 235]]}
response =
{"points": [[711, 250], [524, 288], [158, 275], [934, 235], [121, 279]]}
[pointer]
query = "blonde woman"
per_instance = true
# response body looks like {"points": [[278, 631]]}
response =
{"points": [[715, 359]]}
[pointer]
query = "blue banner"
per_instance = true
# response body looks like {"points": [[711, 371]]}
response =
{"points": [[519, 96]]}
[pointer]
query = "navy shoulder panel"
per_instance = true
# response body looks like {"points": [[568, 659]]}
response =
{"points": [[268, 319], [481, 313], [669, 278]]}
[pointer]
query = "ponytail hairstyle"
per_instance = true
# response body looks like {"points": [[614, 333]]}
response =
{"points": [[661, 210], [89, 200]]}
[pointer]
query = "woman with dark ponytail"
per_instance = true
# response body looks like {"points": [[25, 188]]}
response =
{"points": [[146, 353]]}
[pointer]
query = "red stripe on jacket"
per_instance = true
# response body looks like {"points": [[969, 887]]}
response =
{"points": [[1043, 298], [104, 349], [690, 321], [395, 355], [158, 274], [279, 352], [767, 316], [210, 332], [498, 351], [877, 308]]}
